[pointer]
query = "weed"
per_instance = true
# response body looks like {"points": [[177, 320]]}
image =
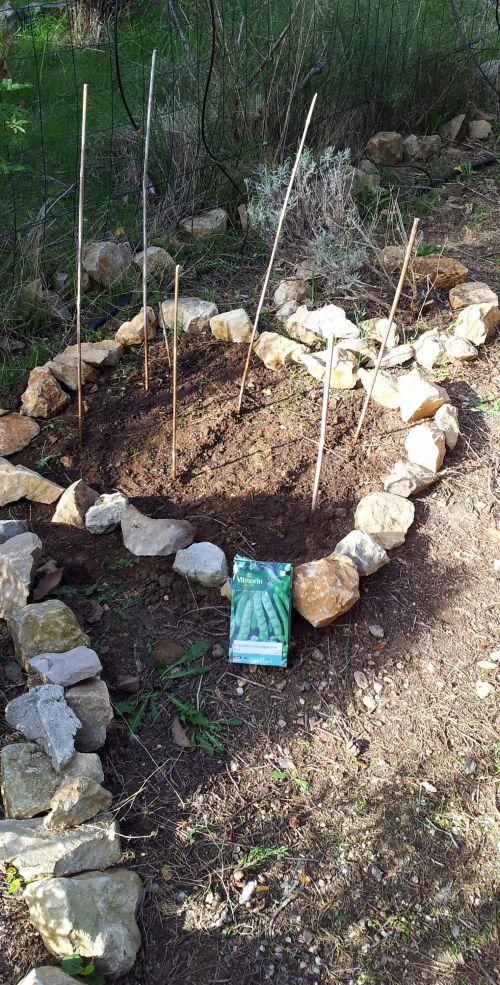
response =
{"points": [[44, 460], [135, 710], [429, 249], [13, 880], [121, 562], [489, 404], [183, 666], [256, 858], [294, 777], [202, 731], [75, 966]]}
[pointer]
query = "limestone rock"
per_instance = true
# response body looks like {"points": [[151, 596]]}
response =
{"points": [[232, 326], [64, 368], [407, 478], [385, 147], [105, 262], [91, 705], [446, 418], [203, 562], [12, 528], [194, 313], [107, 352], [397, 357], [385, 517], [18, 482], [363, 183], [67, 668], [385, 392], [74, 503], [323, 590], [227, 590], [158, 261], [204, 226], [290, 290], [375, 328], [472, 292], [19, 558], [430, 350], [38, 853], [479, 129], [45, 627], [421, 148], [344, 369], [477, 322], [28, 780], [16, 432], [9, 18], [425, 446], [419, 398], [364, 552], [459, 349], [78, 799], [92, 914], [314, 362], [47, 976], [412, 147], [295, 326], [392, 258], [285, 312], [454, 129], [43, 396], [275, 350], [132, 332], [437, 272], [43, 715], [145, 537], [106, 513], [330, 320]]}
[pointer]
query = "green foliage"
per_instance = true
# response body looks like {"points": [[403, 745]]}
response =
{"points": [[256, 858], [184, 666], [202, 731], [294, 777], [75, 966], [135, 710], [13, 880]]}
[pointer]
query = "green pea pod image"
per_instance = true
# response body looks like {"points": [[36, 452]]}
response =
{"points": [[261, 618], [283, 613], [240, 608], [273, 618], [246, 623], [254, 627]]}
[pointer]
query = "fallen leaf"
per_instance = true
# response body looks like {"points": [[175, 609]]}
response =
{"points": [[376, 631], [166, 872], [361, 679], [294, 822], [95, 612], [304, 879], [179, 734], [51, 577]]}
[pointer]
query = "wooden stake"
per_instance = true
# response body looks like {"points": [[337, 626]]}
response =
{"points": [[79, 267], [145, 182], [324, 418], [275, 247], [174, 375], [392, 314]]}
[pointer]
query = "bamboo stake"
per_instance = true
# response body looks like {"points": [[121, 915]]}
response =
{"points": [[275, 247], [389, 326], [144, 221], [174, 375], [324, 418], [81, 184]]}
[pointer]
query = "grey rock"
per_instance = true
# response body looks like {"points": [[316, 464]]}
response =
{"points": [[194, 314], [454, 129], [145, 537], [45, 627], [38, 853], [43, 715], [18, 482], [90, 703], [12, 528], [47, 976], [106, 262], [406, 479], [19, 559], [205, 563], [364, 552], [92, 914], [70, 667], [491, 69], [29, 781], [78, 799], [207, 224], [106, 513]]}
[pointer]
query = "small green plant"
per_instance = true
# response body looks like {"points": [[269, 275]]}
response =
{"points": [[429, 249], [13, 880], [202, 731], [489, 404], [183, 666], [294, 777], [121, 562], [44, 460], [75, 967], [256, 858], [136, 709]]}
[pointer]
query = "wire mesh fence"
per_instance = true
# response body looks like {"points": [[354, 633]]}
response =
{"points": [[234, 79]]}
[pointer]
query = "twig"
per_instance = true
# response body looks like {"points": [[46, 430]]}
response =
{"points": [[324, 418], [389, 326], [79, 268], [174, 375], [145, 185], [275, 247]]}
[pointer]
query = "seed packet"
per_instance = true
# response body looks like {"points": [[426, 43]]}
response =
{"points": [[260, 612]]}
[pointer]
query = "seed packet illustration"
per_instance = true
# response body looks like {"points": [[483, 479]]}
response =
{"points": [[261, 609]]}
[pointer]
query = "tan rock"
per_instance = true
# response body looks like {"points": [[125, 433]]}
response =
{"points": [[479, 129], [91, 705], [392, 258], [107, 352], [16, 432], [376, 328], [454, 129], [314, 362], [285, 312], [296, 329], [430, 349], [472, 292], [37, 853], [275, 350], [430, 145], [437, 272], [323, 590], [406, 479], [64, 368], [385, 517], [385, 392], [331, 320], [19, 558], [477, 322], [105, 262], [425, 446], [47, 975], [193, 316], [18, 482], [43, 396], [45, 627], [226, 590], [158, 261], [385, 147], [344, 369], [77, 799], [446, 418], [398, 357], [363, 183], [290, 290], [28, 780], [459, 350], [208, 224], [419, 398], [232, 326], [132, 332], [74, 503]]}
